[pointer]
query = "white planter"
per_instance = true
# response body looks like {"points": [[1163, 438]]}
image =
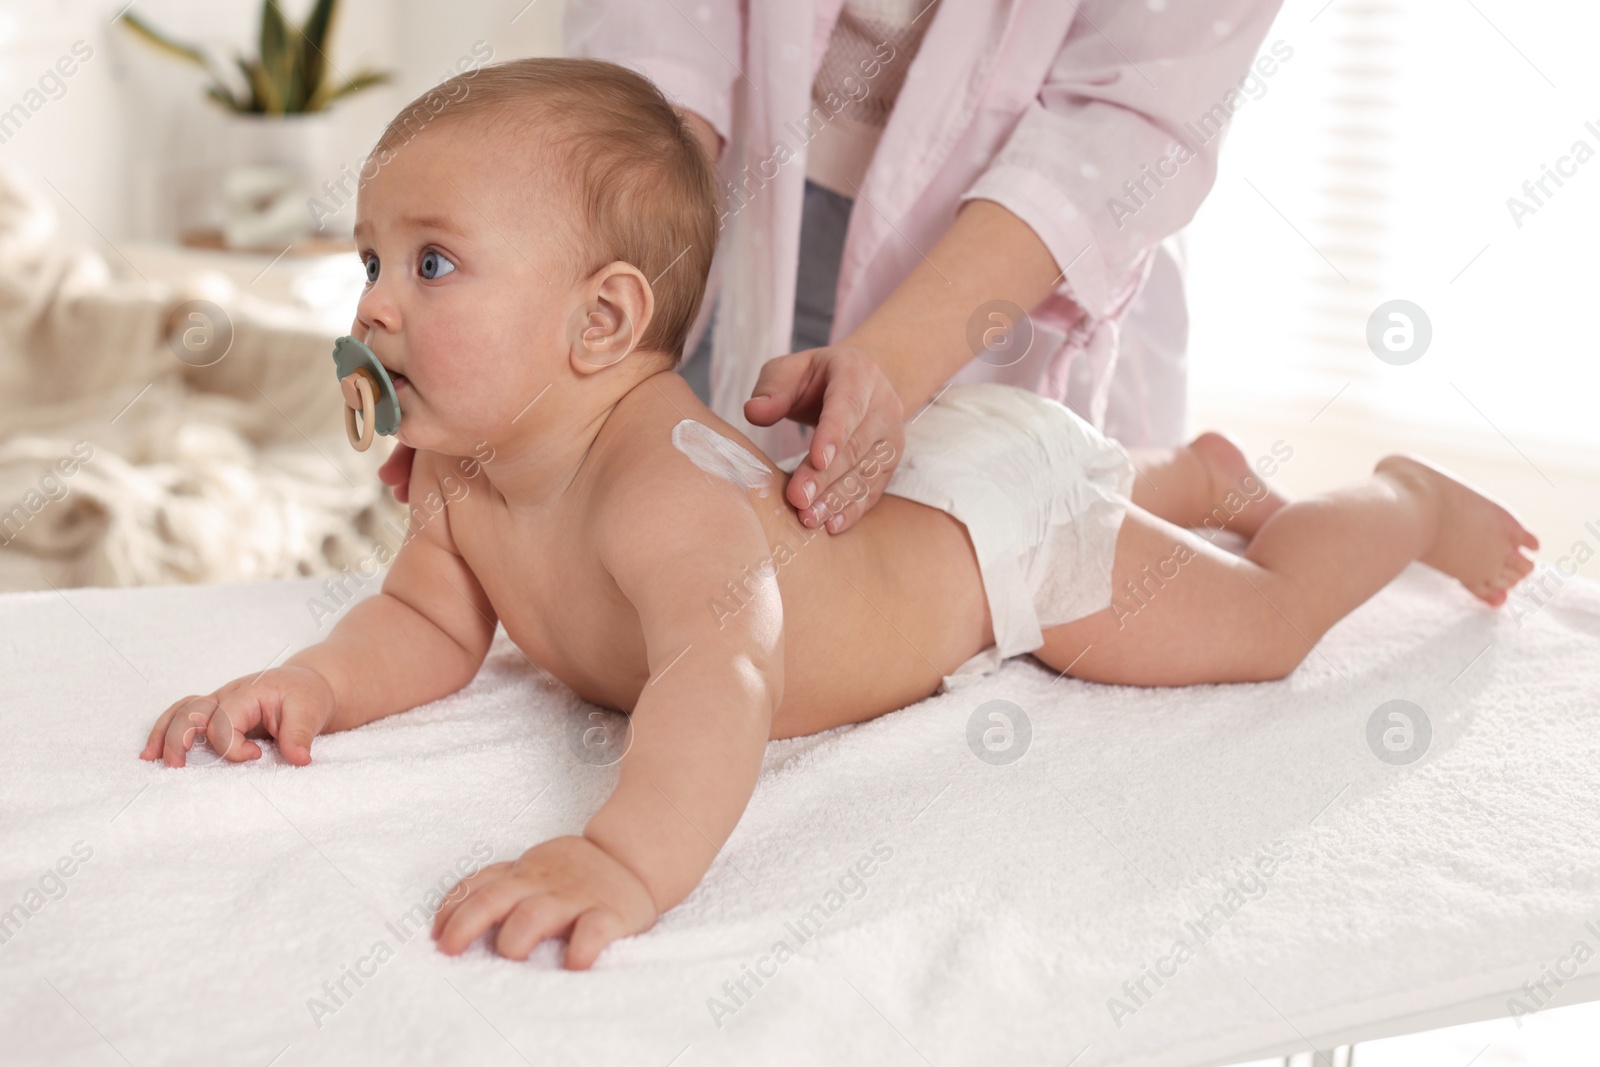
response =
{"points": [[302, 146]]}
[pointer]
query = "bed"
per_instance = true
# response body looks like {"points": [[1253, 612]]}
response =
{"points": [[951, 887]]}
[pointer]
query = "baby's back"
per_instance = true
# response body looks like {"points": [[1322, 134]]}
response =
{"points": [[872, 618]]}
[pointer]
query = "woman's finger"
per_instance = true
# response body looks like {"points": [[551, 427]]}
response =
{"points": [[785, 387], [844, 404], [851, 396], [859, 465], [858, 489]]}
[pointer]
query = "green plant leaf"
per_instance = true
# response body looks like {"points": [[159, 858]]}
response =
{"points": [[316, 31], [277, 54], [274, 35], [362, 79], [263, 96], [297, 98], [162, 41], [222, 87], [291, 73], [225, 98]]}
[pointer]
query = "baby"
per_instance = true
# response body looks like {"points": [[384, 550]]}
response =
{"points": [[535, 256]]}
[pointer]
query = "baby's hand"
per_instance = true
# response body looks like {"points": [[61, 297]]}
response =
{"points": [[568, 886], [290, 703]]}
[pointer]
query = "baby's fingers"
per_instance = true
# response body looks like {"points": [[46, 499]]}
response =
{"points": [[226, 728], [594, 930], [296, 727], [158, 733], [461, 891], [484, 907], [185, 721], [532, 921]]}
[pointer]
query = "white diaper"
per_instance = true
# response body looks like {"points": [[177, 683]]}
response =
{"points": [[1042, 495]]}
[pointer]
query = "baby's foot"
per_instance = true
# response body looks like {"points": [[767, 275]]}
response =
{"points": [[1240, 499], [1476, 541]]}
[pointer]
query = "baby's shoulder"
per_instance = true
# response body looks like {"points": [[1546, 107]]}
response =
{"points": [[670, 477], [674, 513]]}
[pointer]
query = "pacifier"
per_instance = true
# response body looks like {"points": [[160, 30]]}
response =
{"points": [[367, 390]]}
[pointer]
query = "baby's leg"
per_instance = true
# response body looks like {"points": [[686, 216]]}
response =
{"points": [[1206, 484], [1185, 611]]}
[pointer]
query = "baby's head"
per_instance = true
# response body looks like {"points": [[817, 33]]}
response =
{"points": [[538, 229]]}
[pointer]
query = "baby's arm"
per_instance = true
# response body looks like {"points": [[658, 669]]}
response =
{"points": [[422, 637], [701, 725], [671, 539]]}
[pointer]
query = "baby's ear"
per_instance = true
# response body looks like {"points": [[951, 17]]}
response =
{"points": [[602, 331]]}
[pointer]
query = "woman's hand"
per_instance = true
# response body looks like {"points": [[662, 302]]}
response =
{"points": [[844, 392], [396, 471], [568, 886]]}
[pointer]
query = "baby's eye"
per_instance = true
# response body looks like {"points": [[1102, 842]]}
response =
{"points": [[372, 268], [434, 265]]}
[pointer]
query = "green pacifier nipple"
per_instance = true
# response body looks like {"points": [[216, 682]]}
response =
{"points": [[367, 390]]}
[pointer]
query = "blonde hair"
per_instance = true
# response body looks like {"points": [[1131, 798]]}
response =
{"points": [[643, 189]]}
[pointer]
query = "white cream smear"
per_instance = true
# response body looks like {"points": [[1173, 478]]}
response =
{"points": [[720, 457]]}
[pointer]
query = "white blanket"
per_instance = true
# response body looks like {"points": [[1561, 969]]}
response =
{"points": [[123, 464], [995, 912]]}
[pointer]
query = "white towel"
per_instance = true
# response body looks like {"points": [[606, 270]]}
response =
{"points": [[1003, 909]]}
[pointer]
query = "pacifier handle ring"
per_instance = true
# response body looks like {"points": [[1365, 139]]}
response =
{"points": [[369, 410]]}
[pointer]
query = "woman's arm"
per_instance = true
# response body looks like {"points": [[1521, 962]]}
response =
{"points": [[919, 334]]}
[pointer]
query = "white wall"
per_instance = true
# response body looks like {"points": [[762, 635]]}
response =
{"points": [[1377, 164]]}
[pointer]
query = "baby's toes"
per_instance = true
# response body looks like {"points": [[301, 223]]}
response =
{"points": [[1512, 573], [1489, 588], [1509, 577]]}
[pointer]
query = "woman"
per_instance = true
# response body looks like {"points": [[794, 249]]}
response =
{"points": [[923, 192]]}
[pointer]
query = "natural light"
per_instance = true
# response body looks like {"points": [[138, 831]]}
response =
{"points": [[1376, 164]]}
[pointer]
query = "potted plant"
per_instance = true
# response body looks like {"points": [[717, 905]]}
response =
{"points": [[276, 104]]}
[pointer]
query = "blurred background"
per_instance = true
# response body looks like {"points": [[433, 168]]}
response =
{"points": [[148, 229], [167, 309], [1377, 165]]}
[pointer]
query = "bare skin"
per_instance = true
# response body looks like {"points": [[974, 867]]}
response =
{"points": [[548, 495], [1207, 484], [1310, 563]]}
